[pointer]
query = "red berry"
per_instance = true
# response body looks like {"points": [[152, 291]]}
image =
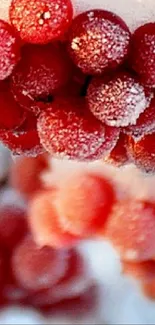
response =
{"points": [[9, 50], [81, 212], [119, 156], [117, 101], [131, 229], [41, 21], [142, 152], [145, 123], [25, 174], [41, 71], [67, 129], [143, 271], [13, 225], [24, 140], [38, 268], [45, 224], [11, 114], [98, 40], [149, 289], [143, 53]]}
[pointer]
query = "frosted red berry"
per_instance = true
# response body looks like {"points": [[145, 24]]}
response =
{"points": [[119, 155], [131, 228], [41, 71], [9, 50], [98, 40], [117, 101], [142, 58], [41, 21], [145, 124], [67, 129], [142, 152], [24, 140], [143, 271], [81, 212], [12, 114], [38, 268]]}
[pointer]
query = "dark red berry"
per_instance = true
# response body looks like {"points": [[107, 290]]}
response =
{"points": [[41, 21], [67, 129], [11, 114], [98, 40], [145, 123], [24, 140], [142, 56], [38, 268], [9, 49], [41, 71], [117, 101], [119, 155], [142, 152]]}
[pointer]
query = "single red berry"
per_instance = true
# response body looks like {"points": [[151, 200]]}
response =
{"points": [[13, 225], [38, 268], [117, 101], [12, 114], [81, 212], [119, 155], [24, 140], [98, 40], [41, 21], [9, 49], [45, 224], [67, 129], [142, 58], [142, 152], [145, 124], [131, 228], [41, 71], [143, 271]]}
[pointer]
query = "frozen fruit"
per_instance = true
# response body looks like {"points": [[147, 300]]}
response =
{"points": [[67, 129], [40, 21], [131, 228], [98, 40], [145, 124], [12, 292], [149, 289], [38, 268], [142, 56], [41, 71], [117, 100], [84, 202], [119, 155], [11, 114], [25, 174], [142, 152], [13, 225], [143, 271], [24, 140], [44, 222], [9, 49]]}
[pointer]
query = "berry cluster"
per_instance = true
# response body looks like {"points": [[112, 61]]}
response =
{"points": [[80, 88]]}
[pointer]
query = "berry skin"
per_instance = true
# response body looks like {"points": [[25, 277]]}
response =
{"points": [[41, 71], [25, 174], [119, 156], [142, 58], [84, 202], [143, 271], [98, 40], [45, 224], [9, 50], [145, 123], [131, 228], [40, 22], [142, 152], [67, 129], [25, 140], [117, 101], [11, 114], [38, 268]]}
